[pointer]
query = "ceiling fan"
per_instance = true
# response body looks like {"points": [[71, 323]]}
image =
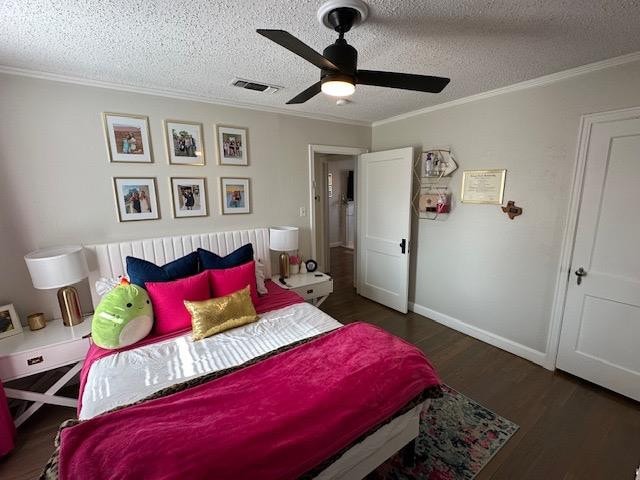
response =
{"points": [[338, 62]]}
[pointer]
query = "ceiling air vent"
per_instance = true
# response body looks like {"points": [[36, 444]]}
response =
{"points": [[255, 86]]}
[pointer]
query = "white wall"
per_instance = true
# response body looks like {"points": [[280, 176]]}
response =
{"points": [[477, 270], [56, 182]]}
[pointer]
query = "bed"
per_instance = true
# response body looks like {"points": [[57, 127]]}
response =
{"points": [[113, 385]]}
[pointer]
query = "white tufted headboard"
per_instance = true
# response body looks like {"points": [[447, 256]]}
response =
{"points": [[108, 259]]}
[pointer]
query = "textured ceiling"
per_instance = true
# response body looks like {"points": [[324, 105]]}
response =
{"points": [[197, 46]]}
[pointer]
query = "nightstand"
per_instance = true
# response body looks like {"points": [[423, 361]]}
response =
{"points": [[40, 351], [314, 287]]}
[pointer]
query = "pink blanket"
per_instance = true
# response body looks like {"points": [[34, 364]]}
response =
{"points": [[275, 419], [7, 429], [276, 298]]}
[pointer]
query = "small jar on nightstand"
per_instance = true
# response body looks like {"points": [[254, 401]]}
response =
{"points": [[36, 321]]}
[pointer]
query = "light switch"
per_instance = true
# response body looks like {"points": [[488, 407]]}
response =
{"points": [[303, 211]]}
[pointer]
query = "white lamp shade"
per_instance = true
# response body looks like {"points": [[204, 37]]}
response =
{"points": [[283, 239], [56, 267]]}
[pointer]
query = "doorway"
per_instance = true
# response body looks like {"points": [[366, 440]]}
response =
{"points": [[333, 211], [335, 201], [381, 224]]}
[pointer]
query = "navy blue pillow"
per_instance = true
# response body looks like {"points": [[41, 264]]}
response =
{"points": [[209, 260], [141, 271]]}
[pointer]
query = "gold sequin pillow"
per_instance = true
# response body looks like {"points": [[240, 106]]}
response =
{"points": [[219, 314]]}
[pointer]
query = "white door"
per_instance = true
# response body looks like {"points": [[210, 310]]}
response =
{"points": [[384, 226], [600, 338]]}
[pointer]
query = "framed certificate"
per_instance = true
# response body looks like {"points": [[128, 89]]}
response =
{"points": [[483, 186]]}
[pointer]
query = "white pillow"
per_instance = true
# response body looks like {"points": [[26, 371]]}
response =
{"points": [[104, 285], [262, 290]]}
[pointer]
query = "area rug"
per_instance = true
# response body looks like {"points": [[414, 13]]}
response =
{"points": [[457, 438]]}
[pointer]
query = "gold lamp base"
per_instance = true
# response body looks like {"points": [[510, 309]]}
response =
{"points": [[284, 265], [70, 306]]}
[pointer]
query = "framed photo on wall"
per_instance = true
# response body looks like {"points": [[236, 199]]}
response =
{"points": [[9, 321], [189, 197], [136, 198], [233, 148], [483, 186], [235, 195], [127, 137], [185, 142]]}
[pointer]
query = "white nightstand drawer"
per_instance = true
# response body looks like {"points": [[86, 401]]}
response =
{"points": [[315, 290], [29, 363]]}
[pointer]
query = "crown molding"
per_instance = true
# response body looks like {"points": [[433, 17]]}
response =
{"points": [[175, 94], [182, 95], [536, 82]]}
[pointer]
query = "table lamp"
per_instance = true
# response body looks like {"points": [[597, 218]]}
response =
{"points": [[60, 267], [283, 239]]}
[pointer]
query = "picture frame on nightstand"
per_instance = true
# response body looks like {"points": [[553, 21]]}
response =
{"points": [[9, 321]]}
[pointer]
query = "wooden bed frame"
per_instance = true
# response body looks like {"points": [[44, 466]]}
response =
{"points": [[109, 260]]}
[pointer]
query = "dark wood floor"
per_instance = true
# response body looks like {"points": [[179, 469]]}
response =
{"points": [[569, 428]]}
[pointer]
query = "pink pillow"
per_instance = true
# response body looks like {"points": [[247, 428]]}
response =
{"points": [[168, 299], [230, 280]]}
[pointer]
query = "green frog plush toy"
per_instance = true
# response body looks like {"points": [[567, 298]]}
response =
{"points": [[123, 317]]}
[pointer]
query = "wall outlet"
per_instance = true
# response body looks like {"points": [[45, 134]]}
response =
{"points": [[303, 211]]}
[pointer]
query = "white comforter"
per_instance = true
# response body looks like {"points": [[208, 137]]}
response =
{"points": [[132, 375]]}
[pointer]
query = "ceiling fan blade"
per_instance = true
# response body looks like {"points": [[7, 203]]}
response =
{"points": [[308, 94], [296, 46], [406, 81]]}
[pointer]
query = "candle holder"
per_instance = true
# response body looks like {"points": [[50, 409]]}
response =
{"points": [[37, 321]]}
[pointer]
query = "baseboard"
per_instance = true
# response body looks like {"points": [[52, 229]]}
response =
{"points": [[528, 353], [336, 244]]}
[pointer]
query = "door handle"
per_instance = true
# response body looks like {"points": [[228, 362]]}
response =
{"points": [[403, 245], [580, 272]]}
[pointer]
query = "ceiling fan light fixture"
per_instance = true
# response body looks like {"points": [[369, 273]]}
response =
{"points": [[338, 86]]}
